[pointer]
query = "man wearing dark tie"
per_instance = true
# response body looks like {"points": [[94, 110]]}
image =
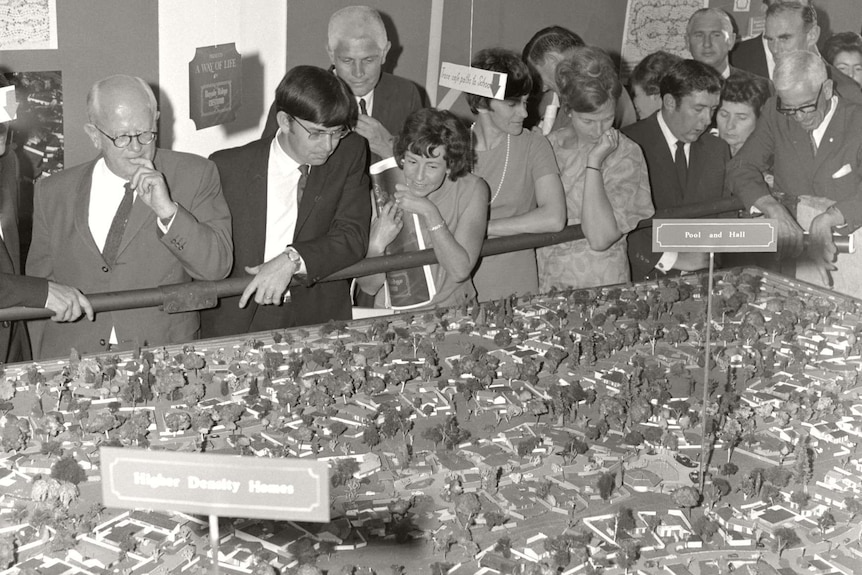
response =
{"points": [[300, 206], [136, 217], [66, 302], [357, 45], [686, 164]]}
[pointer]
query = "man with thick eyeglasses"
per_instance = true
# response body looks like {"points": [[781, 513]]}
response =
{"points": [[810, 138], [135, 217], [300, 207]]}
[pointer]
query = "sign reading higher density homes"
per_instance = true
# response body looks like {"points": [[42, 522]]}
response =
{"points": [[224, 485]]}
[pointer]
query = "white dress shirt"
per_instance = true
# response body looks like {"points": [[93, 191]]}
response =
{"points": [[369, 102], [281, 207]]}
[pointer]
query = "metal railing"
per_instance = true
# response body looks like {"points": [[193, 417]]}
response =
{"points": [[205, 294]]}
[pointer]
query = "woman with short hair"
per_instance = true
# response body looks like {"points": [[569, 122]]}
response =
{"points": [[604, 175]]}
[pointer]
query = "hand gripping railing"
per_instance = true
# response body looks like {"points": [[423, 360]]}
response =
{"points": [[197, 295]]}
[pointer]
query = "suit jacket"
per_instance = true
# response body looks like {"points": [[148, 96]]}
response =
{"points": [[708, 157], [197, 246], [749, 55], [15, 289], [779, 143], [331, 233]]}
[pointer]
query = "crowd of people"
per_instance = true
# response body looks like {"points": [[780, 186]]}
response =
{"points": [[768, 120]]}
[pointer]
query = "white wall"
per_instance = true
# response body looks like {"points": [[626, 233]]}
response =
{"points": [[257, 28]]}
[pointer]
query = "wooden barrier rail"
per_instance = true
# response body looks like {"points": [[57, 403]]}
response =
{"points": [[204, 294]]}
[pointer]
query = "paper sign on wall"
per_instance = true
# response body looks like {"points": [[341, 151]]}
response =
{"points": [[215, 85], [8, 104], [473, 80]]}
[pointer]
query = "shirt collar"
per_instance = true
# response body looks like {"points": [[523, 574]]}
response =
{"points": [[369, 101], [668, 135], [106, 177], [818, 132], [279, 157]]}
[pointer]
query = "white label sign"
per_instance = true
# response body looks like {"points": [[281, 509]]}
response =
{"points": [[473, 80], [8, 104]]}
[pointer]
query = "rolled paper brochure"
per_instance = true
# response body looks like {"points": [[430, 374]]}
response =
{"points": [[412, 287]]}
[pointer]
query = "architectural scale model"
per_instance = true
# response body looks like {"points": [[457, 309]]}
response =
{"points": [[553, 434]]}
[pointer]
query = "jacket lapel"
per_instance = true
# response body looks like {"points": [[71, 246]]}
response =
{"points": [[671, 194], [833, 138], [257, 176], [82, 210]]}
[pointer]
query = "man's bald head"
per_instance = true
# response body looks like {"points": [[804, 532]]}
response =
{"points": [[120, 91]]}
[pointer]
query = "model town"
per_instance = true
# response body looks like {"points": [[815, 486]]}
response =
{"points": [[553, 434]]}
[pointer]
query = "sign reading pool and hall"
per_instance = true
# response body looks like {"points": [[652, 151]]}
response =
{"points": [[742, 235], [208, 484]]}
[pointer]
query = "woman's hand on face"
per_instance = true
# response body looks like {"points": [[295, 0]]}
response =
{"points": [[606, 144], [384, 228], [411, 202]]}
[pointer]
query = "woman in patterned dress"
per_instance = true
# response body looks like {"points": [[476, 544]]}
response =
{"points": [[604, 174]]}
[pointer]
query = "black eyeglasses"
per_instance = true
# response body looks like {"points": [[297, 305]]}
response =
{"points": [[806, 109], [336, 135], [123, 140]]}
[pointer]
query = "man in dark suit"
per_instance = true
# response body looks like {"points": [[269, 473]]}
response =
{"points": [[810, 137], [292, 222], [792, 26], [67, 303], [135, 217], [686, 164], [357, 46], [710, 36], [752, 55]]}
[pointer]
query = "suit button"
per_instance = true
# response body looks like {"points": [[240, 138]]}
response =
{"points": [[106, 269], [6, 324], [101, 342]]}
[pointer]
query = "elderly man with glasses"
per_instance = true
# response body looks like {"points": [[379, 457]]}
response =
{"points": [[300, 206], [136, 217], [811, 140]]}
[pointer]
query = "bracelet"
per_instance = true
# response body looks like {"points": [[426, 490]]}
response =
{"points": [[439, 226], [596, 169]]}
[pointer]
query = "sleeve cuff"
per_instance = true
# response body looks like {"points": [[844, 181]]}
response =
{"points": [[667, 261], [165, 227]]}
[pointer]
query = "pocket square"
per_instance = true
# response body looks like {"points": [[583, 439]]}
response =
{"points": [[845, 169]]}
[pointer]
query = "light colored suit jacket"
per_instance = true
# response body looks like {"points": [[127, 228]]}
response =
{"points": [[197, 246], [779, 144]]}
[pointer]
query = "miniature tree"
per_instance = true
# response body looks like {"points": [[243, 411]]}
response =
{"points": [[628, 554], [504, 547], [466, 508], [705, 528], [803, 468], [342, 471], [686, 497], [825, 522], [783, 538], [69, 470], [606, 485], [7, 552]]}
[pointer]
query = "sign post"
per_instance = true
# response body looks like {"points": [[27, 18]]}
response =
{"points": [[713, 235], [215, 485]]}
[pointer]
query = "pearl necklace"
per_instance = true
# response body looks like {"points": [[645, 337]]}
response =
{"points": [[505, 169]]}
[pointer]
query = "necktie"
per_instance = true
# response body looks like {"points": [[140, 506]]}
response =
{"points": [[118, 226], [363, 107], [681, 165], [300, 185]]}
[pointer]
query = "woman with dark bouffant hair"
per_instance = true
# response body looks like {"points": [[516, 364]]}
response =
{"points": [[435, 153], [519, 166], [844, 51], [604, 175]]}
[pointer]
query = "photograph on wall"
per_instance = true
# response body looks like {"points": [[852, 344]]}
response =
{"points": [[28, 24], [653, 25], [37, 136]]}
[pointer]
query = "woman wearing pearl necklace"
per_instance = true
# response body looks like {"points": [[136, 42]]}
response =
{"points": [[519, 166]]}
